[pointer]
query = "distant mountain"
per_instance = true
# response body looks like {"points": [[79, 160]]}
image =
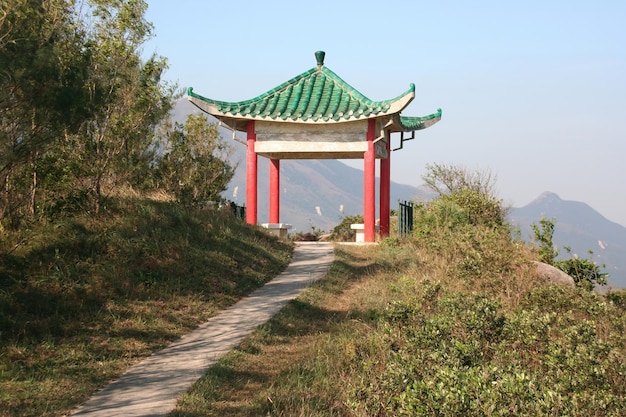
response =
{"points": [[580, 227]]}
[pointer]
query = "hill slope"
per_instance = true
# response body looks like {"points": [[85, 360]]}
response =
{"points": [[84, 297]]}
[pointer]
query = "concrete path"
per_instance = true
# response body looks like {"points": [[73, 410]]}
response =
{"points": [[152, 387]]}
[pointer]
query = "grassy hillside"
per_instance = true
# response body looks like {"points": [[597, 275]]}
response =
{"points": [[83, 298], [451, 322]]}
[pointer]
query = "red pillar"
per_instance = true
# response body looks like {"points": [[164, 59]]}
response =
{"points": [[275, 191], [385, 189], [369, 187], [251, 176]]}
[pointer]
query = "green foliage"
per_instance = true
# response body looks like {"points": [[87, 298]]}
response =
{"points": [[618, 298], [83, 114], [467, 228], [126, 98], [461, 329], [543, 234], [472, 191], [585, 272], [195, 166], [462, 353], [342, 232], [438, 217], [40, 95], [311, 236], [480, 208], [80, 106]]}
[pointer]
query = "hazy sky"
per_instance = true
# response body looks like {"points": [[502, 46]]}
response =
{"points": [[532, 91]]}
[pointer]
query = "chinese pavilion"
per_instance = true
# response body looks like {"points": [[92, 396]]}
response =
{"points": [[317, 115]]}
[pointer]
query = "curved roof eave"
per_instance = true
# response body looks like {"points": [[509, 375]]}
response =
{"points": [[214, 107], [398, 123], [411, 124]]}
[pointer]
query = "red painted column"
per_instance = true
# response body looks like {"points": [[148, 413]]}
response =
{"points": [[385, 189], [251, 176], [274, 191], [369, 184]]}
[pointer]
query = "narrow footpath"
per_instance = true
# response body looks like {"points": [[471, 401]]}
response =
{"points": [[152, 387]]}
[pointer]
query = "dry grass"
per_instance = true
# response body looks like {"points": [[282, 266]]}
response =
{"points": [[84, 298], [244, 382], [417, 328], [416, 325]]}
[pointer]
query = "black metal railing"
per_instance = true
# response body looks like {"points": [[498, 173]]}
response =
{"points": [[405, 218], [238, 211]]}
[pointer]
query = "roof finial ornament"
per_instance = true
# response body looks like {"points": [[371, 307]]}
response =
{"points": [[319, 55]]}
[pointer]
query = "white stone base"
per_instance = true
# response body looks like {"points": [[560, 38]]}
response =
{"points": [[278, 229], [360, 231]]}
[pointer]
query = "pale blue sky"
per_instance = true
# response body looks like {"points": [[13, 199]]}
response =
{"points": [[533, 91]]}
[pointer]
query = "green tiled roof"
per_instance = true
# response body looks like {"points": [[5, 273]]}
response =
{"points": [[315, 96], [409, 124]]}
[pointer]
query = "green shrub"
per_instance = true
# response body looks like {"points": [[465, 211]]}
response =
{"points": [[543, 234], [456, 349], [481, 209], [473, 191], [585, 272], [342, 232], [618, 298], [461, 354], [438, 217]]}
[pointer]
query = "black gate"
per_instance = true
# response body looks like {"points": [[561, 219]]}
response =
{"points": [[238, 211], [405, 218]]}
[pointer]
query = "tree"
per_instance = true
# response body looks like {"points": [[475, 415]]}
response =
{"points": [[195, 165], [449, 179], [473, 191], [78, 106], [585, 272], [543, 236], [126, 98], [40, 84]]}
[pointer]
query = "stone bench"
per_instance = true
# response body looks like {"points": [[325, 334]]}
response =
{"points": [[278, 229], [360, 231]]}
